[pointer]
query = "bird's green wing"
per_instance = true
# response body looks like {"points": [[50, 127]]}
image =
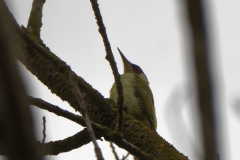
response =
{"points": [[145, 96]]}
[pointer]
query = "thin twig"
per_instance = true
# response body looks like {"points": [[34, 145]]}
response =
{"points": [[114, 151], [56, 110], [133, 149], [125, 157], [82, 105], [110, 58], [44, 129], [44, 133]]}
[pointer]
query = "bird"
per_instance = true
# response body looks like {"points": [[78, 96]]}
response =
{"points": [[138, 97]]}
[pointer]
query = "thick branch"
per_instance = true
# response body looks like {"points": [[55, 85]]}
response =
{"points": [[105, 115], [103, 112], [141, 146], [53, 72]]}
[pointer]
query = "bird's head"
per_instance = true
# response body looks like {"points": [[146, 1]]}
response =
{"points": [[131, 68], [128, 66]]}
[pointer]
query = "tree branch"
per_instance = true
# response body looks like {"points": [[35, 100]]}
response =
{"points": [[114, 151], [53, 72], [35, 19], [56, 110], [105, 115], [106, 132], [54, 148], [141, 139], [17, 133], [44, 132], [83, 110], [203, 75]]}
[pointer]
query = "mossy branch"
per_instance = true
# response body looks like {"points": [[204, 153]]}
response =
{"points": [[108, 134], [54, 148], [35, 18], [53, 72], [100, 110]]}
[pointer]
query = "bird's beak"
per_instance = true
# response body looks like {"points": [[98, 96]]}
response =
{"points": [[126, 63]]}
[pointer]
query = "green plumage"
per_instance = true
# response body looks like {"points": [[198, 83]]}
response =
{"points": [[138, 97]]}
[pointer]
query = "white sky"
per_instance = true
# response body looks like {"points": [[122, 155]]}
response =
{"points": [[154, 35]]}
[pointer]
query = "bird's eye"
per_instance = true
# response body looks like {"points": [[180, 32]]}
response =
{"points": [[137, 69]]}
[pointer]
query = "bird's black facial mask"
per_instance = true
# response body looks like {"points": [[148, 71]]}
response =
{"points": [[136, 69]]}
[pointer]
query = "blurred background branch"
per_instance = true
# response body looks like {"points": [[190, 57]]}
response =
{"points": [[17, 137], [201, 56]]}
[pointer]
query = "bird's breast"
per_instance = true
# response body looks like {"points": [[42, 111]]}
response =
{"points": [[131, 102]]}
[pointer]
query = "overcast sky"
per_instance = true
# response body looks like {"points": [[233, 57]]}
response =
{"points": [[154, 35]]}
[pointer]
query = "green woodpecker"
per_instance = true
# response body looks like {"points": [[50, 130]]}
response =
{"points": [[138, 98]]}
